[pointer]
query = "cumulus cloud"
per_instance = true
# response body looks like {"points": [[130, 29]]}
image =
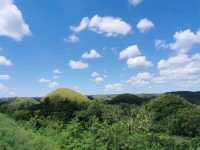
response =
{"points": [[49, 83], [144, 25], [4, 77], [161, 44], [97, 78], [12, 23], [5, 62], [72, 39], [181, 67], [92, 54], [185, 40], [106, 25], [135, 2], [82, 26], [95, 74], [78, 64], [116, 87], [139, 61], [140, 79], [131, 51]]}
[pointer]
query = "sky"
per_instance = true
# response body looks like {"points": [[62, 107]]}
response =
{"points": [[99, 46]]}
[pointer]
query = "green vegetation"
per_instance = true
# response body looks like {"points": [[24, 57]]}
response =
{"points": [[66, 120], [63, 94], [127, 99]]}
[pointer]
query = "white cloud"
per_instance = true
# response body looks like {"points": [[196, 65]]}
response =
{"points": [[43, 80], [185, 40], [49, 83], [97, 78], [140, 79], [78, 64], [135, 2], [12, 23], [53, 84], [179, 68], [4, 77], [95, 74], [92, 54], [107, 25], [114, 87], [57, 71], [144, 25], [4, 61], [131, 51], [161, 44], [82, 26], [72, 39], [139, 61]]}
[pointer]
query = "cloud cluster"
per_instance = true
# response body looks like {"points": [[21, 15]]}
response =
{"points": [[181, 67], [116, 87], [78, 65], [135, 2], [5, 62], [161, 44], [129, 52], [106, 25], [97, 78], [140, 79], [12, 23], [92, 54], [185, 40], [144, 25], [134, 58], [139, 61], [49, 83]]}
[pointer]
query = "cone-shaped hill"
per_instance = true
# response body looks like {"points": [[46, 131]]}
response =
{"points": [[64, 94]]}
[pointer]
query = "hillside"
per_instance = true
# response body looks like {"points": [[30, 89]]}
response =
{"points": [[193, 97], [65, 120]]}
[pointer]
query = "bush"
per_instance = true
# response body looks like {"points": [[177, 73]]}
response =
{"points": [[186, 123]]}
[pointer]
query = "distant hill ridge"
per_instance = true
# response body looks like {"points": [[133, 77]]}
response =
{"points": [[193, 97]]}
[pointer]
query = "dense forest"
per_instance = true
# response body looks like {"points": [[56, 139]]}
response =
{"points": [[67, 120]]}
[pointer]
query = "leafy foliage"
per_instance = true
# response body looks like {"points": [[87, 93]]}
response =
{"points": [[65, 120]]}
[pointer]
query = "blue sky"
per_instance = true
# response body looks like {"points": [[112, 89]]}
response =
{"points": [[99, 47]]}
